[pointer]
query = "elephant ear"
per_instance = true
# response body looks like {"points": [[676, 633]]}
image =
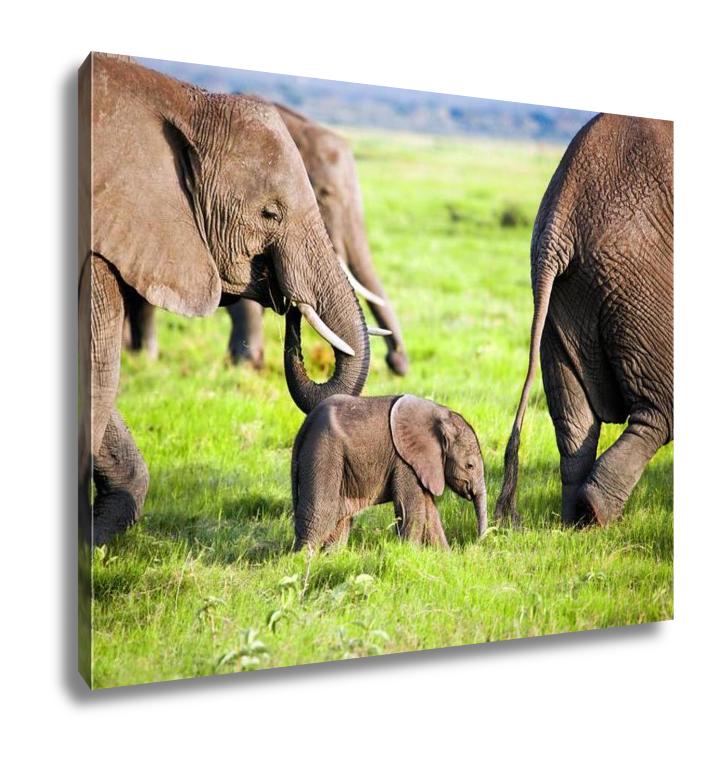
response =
{"points": [[145, 171], [417, 427]]}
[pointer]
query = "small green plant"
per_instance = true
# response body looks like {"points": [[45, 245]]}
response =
{"points": [[206, 615], [354, 587], [101, 556], [250, 653], [290, 590], [367, 641]]}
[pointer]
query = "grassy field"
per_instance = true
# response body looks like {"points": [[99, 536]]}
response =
{"points": [[207, 583]]}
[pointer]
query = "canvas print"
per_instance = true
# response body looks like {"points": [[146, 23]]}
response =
{"points": [[363, 370]]}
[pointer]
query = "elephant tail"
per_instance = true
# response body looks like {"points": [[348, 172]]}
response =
{"points": [[505, 507]]}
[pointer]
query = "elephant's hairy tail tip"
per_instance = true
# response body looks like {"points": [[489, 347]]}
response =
{"points": [[505, 506]]}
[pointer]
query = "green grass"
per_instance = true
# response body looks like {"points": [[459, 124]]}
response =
{"points": [[207, 582]]}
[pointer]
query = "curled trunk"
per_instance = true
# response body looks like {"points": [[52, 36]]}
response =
{"points": [[337, 307]]}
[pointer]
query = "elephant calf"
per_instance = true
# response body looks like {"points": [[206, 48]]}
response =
{"points": [[355, 452]]}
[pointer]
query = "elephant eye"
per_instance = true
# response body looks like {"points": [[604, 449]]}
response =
{"points": [[470, 465], [271, 212], [324, 192]]}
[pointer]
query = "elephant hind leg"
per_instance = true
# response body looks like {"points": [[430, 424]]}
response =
{"points": [[320, 503], [339, 536], [619, 468], [246, 342], [121, 480], [321, 525], [141, 317], [576, 425]]}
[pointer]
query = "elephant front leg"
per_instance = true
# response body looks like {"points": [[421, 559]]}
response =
{"points": [[246, 342], [121, 481], [434, 533], [577, 427], [416, 515], [119, 473], [618, 469], [421, 524]]}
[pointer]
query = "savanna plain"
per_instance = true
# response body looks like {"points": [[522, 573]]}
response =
{"points": [[207, 582]]}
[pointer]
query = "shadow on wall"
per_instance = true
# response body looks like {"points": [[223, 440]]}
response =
{"points": [[394, 664], [67, 331]]}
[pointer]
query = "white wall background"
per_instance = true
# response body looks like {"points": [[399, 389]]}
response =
{"points": [[649, 694]]}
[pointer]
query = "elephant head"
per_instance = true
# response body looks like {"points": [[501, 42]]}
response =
{"points": [[330, 164], [442, 449], [199, 199]]}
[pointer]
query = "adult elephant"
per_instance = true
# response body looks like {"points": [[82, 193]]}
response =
{"points": [[601, 264], [330, 166], [199, 199]]}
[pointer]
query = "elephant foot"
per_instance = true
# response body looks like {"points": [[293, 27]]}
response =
{"points": [[593, 505], [397, 362], [301, 545], [573, 513], [427, 538], [112, 515], [437, 543], [137, 347], [333, 545], [246, 356], [152, 349]]}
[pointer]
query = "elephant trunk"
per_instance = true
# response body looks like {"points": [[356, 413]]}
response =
{"points": [[334, 303], [359, 261], [480, 500]]}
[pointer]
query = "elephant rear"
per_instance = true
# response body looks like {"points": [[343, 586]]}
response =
{"points": [[605, 229], [601, 268]]}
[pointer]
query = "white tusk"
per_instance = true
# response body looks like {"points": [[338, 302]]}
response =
{"points": [[365, 292], [378, 331], [326, 333]]}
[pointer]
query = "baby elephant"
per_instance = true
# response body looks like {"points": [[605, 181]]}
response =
{"points": [[355, 452]]}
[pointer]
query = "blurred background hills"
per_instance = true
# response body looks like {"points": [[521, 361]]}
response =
{"points": [[393, 109]]}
